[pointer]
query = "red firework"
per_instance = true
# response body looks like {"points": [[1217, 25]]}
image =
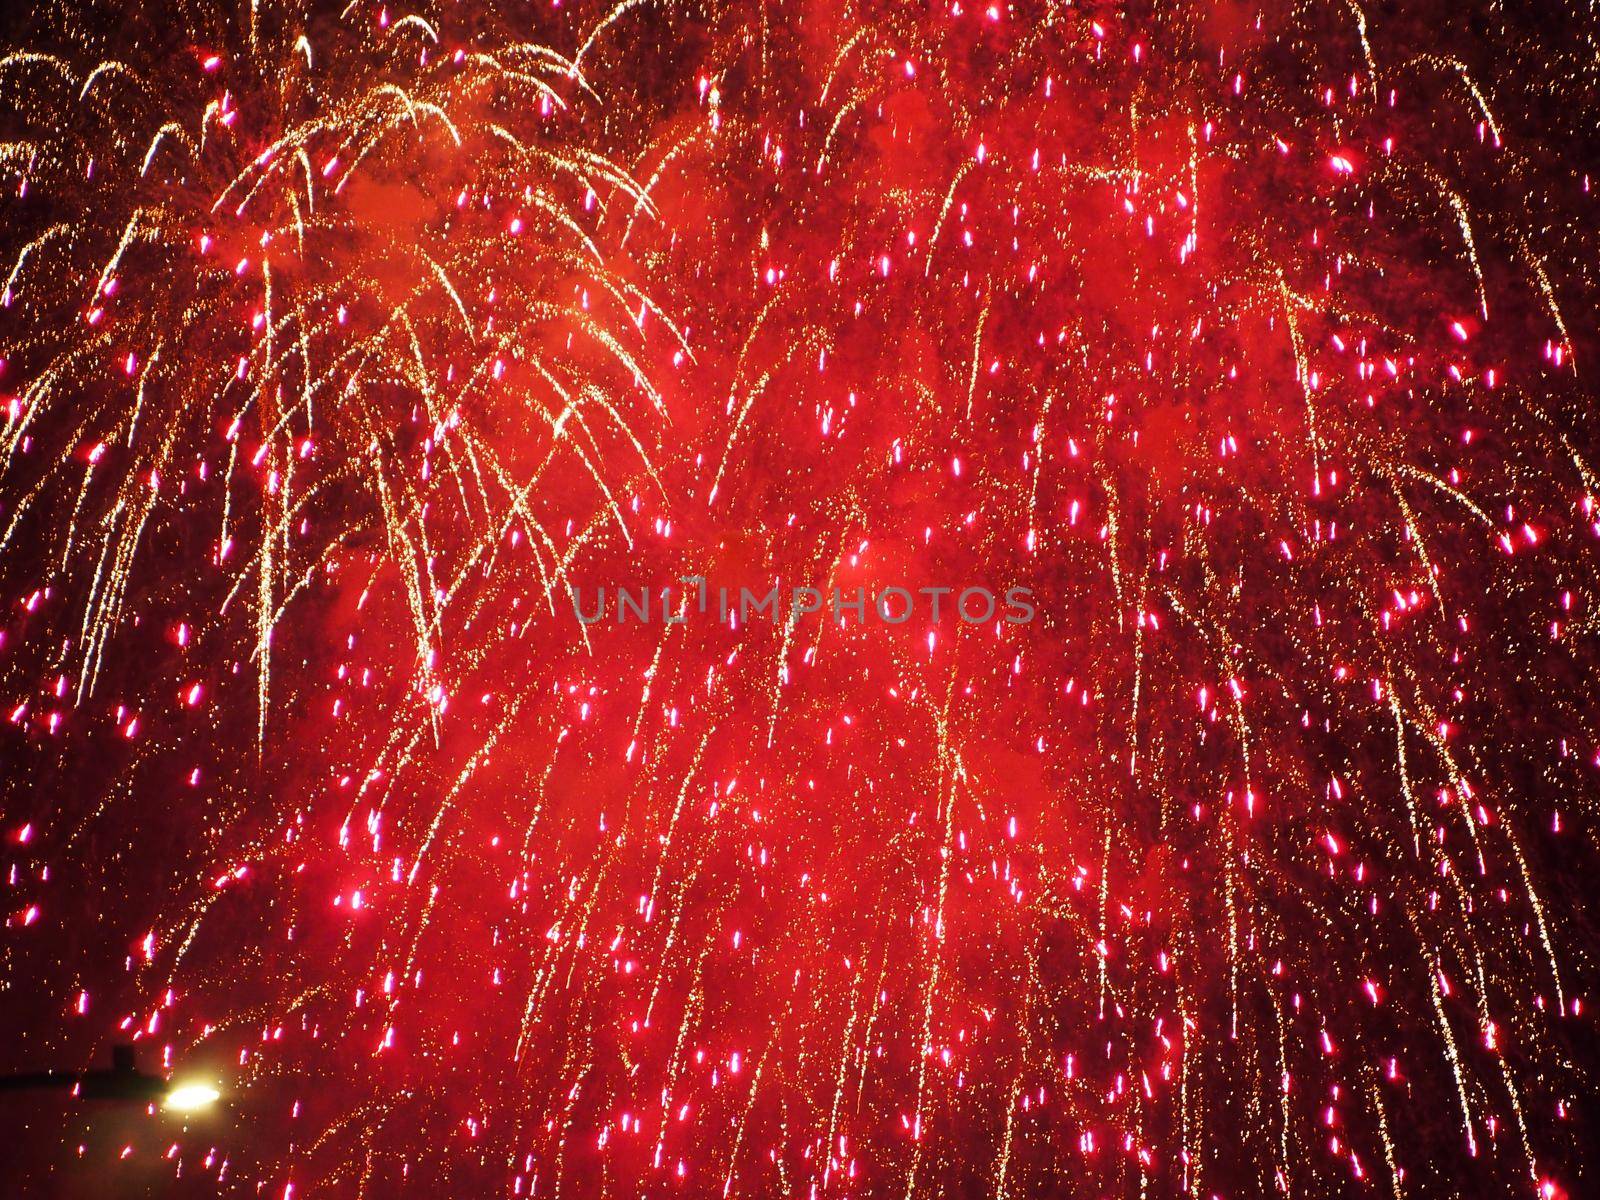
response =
{"points": [[753, 600]]}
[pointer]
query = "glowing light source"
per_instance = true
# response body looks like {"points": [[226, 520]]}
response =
{"points": [[190, 1097]]}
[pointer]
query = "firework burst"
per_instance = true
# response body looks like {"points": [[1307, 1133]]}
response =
{"points": [[342, 348]]}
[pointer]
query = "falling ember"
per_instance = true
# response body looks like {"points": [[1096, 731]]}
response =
{"points": [[349, 356]]}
